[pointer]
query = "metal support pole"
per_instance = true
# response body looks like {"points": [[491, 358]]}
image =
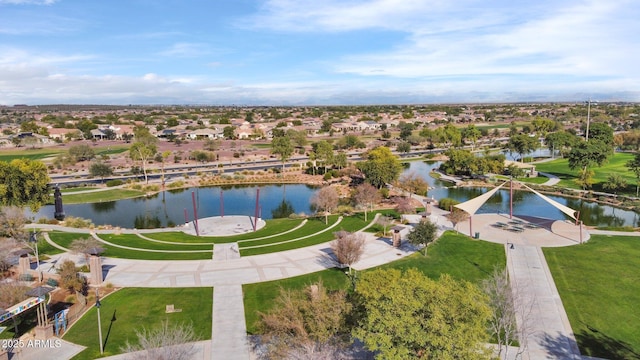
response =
{"points": [[195, 211], [580, 232], [99, 324], [511, 198], [470, 226], [586, 134], [257, 210]]}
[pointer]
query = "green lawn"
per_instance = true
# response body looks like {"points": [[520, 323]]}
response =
{"points": [[599, 284], [312, 226], [272, 227], [259, 297], [134, 308], [616, 165], [351, 223], [65, 240], [100, 196], [454, 254], [27, 153], [132, 240]]}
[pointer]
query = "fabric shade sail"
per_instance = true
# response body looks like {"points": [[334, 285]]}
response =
{"points": [[565, 209], [471, 206]]}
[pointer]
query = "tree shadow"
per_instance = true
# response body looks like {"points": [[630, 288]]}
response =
{"points": [[558, 347], [596, 343]]}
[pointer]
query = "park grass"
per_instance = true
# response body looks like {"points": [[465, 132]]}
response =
{"points": [[272, 227], [100, 196], [312, 226], [536, 180], [135, 241], [454, 254], [24, 153], [615, 165], [349, 223], [599, 284], [135, 308], [65, 239], [457, 255], [76, 189], [259, 297]]}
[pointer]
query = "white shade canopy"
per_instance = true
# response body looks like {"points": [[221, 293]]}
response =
{"points": [[471, 206]]}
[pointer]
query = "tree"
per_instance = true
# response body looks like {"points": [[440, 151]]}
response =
{"points": [[7, 247], [347, 247], [229, 132], [282, 146], [601, 132], [585, 178], [471, 133], [306, 324], [100, 169], [560, 140], [69, 277], [587, 154], [634, 165], [340, 160], [457, 216], [423, 234], [12, 293], [509, 321], [211, 144], [521, 144], [82, 152], [614, 183], [404, 205], [381, 167], [385, 222], [12, 222], [86, 247], [413, 183], [406, 315], [24, 182], [325, 200], [143, 149], [163, 343], [403, 147], [324, 152], [365, 195]]}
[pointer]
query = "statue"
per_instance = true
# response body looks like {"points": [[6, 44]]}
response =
{"points": [[59, 212]]}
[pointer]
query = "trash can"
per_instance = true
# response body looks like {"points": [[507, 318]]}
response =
{"points": [[477, 236]]}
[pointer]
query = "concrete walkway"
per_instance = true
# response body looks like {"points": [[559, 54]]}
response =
{"points": [[228, 324], [551, 337], [549, 333], [553, 180]]}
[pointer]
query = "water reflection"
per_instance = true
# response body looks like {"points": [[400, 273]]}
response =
{"points": [[525, 202], [105, 206], [283, 210]]}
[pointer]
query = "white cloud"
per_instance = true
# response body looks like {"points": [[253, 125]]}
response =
{"points": [[185, 50]]}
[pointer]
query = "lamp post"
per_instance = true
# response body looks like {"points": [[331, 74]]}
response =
{"points": [[33, 238], [586, 134], [99, 325]]}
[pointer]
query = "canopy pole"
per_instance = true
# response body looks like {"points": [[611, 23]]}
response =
{"points": [[511, 198], [470, 226]]}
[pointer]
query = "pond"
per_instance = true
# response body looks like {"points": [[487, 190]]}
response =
{"points": [[167, 209], [281, 200], [525, 202]]}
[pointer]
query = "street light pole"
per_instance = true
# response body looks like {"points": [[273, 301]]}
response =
{"points": [[586, 134], [34, 238], [99, 325]]}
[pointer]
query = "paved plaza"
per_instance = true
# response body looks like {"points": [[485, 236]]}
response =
{"points": [[228, 271]]}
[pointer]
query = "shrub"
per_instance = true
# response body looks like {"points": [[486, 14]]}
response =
{"points": [[76, 222], [447, 203], [114, 182], [176, 184]]}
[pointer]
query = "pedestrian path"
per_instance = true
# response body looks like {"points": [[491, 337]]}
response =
{"points": [[549, 333], [228, 324], [553, 180]]}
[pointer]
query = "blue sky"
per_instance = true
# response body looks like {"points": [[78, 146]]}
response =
{"points": [[290, 52]]}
